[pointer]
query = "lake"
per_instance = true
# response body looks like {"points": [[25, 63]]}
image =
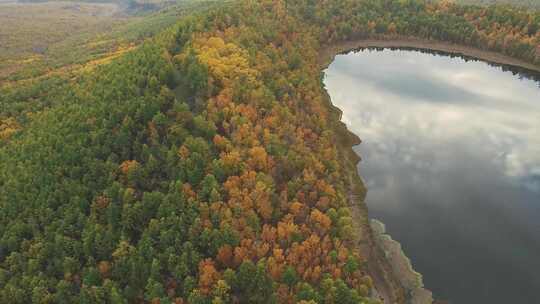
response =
{"points": [[451, 161]]}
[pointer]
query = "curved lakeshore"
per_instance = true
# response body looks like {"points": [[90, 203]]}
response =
{"points": [[327, 55], [389, 281], [395, 279]]}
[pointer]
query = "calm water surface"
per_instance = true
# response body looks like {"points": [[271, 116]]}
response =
{"points": [[451, 159]]}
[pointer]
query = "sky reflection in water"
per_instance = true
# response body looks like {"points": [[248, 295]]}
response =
{"points": [[451, 158]]}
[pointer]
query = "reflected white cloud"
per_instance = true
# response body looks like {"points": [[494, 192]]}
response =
{"points": [[451, 158], [453, 100]]}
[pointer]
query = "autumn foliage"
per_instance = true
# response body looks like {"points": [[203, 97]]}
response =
{"points": [[207, 165]]}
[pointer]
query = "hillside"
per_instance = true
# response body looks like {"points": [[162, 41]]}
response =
{"points": [[207, 165], [55, 37]]}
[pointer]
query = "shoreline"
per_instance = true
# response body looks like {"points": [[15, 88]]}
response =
{"points": [[401, 265], [395, 280], [327, 54], [386, 285]]}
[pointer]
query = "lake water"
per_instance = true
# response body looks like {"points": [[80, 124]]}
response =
{"points": [[451, 160]]}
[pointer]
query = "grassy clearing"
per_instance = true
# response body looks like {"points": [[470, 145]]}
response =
{"points": [[31, 32], [40, 38]]}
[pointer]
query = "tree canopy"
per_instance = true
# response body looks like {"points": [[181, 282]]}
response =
{"points": [[205, 166]]}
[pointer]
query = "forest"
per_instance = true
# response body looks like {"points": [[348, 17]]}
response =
{"points": [[206, 165]]}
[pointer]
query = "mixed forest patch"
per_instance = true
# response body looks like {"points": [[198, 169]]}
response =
{"points": [[206, 165]]}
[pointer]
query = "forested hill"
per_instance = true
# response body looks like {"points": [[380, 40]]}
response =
{"points": [[206, 165]]}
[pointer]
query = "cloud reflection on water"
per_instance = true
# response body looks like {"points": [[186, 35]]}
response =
{"points": [[443, 100], [451, 157]]}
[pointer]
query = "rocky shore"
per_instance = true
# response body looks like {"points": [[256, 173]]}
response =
{"points": [[401, 265]]}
